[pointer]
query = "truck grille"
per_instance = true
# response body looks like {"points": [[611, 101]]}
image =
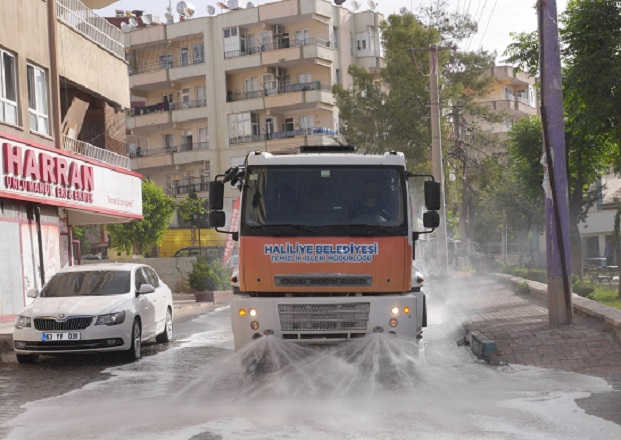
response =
{"points": [[323, 317], [71, 323], [310, 280]]}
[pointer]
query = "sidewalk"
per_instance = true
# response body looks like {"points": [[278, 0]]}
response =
{"points": [[183, 304], [515, 327]]}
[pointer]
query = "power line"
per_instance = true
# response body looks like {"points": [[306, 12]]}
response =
{"points": [[488, 21]]}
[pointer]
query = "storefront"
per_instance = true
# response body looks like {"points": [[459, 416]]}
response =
{"points": [[43, 193]]}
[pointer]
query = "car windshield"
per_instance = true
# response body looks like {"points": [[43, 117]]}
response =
{"points": [[87, 283]]}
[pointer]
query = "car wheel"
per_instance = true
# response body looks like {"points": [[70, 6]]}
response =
{"points": [[27, 358], [167, 334], [133, 354]]}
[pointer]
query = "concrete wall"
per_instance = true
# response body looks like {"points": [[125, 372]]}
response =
{"points": [[173, 271]]}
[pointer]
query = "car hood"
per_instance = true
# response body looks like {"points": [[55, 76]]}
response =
{"points": [[76, 305]]}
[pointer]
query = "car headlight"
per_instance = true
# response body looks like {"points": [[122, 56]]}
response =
{"points": [[22, 321], [111, 318]]}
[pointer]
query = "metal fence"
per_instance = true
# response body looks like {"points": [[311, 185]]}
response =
{"points": [[282, 88], [93, 152], [97, 29], [165, 64], [277, 45]]}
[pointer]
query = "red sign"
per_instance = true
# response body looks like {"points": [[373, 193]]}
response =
{"points": [[229, 244], [39, 172]]}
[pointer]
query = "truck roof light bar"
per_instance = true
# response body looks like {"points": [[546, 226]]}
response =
{"points": [[327, 149]]}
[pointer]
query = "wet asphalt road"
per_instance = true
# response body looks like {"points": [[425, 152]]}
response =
{"points": [[190, 390]]}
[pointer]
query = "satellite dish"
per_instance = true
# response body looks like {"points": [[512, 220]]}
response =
{"points": [[355, 5], [211, 10], [169, 17], [126, 27], [222, 5], [249, 5], [133, 22], [147, 19], [181, 7], [189, 10], [371, 4]]}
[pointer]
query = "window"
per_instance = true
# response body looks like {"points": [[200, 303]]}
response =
{"points": [[140, 279], [302, 37], [202, 137], [8, 88], [168, 141], [305, 78], [288, 125], [37, 100], [335, 37], [508, 93], [185, 97], [201, 96], [254, 121], [166, 61], [307, 123], [251, 87], [199, 53], [185, 56], [152, 277]]}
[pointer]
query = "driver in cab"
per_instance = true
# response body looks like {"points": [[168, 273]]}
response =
{"points": [[370, 202]]}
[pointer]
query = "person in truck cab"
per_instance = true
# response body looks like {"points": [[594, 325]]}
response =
{"points": [[370, 202]]}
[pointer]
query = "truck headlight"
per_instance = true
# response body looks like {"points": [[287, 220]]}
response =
{"points": [[23, 321], [253, 313], [111, 318], [394, 311]]}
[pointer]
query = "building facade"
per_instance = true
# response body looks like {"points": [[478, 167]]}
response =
{"points": [[206, 91], [63, 95]]}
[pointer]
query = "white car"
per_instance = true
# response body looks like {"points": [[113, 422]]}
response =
{"points": [[94, 308]]}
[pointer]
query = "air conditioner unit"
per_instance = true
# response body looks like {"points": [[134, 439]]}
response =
{"points": [[278, 29], [279, 72]]}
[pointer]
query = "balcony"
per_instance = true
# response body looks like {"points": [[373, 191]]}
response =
{"points": [[188, 110], [187, 186], [149, 76], [289, 88], [287, 134], [279, 46], [87, 150], [190, 153], [97, 29]]}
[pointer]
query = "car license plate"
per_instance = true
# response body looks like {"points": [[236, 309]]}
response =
{"points": [[68, 336]]}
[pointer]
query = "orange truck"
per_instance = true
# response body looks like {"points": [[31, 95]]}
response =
{"points": [[326, 244]]}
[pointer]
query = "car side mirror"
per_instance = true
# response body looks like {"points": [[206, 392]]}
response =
{"points": [[146, 288], [32, 293]]}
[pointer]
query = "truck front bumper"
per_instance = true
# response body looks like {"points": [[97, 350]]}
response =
{"points": [[326, 320]]}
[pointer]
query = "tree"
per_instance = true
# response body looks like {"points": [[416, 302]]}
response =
{"points": [[157, 209], [392, 112], [192, 209]]}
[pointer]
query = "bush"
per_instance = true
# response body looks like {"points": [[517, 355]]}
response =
{"points": [[208, 276], [583, 289], [522, 288]]}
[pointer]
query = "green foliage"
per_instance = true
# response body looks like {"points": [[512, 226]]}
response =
{"points": [[190, 208], [157, 209], [521, 288], [583, 289], [523, 53], [208, 276]]}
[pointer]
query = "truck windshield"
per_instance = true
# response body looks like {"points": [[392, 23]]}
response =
{"points": [[304, 200]]}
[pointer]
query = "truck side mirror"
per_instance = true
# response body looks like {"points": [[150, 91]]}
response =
{"points": [[216, 196], [432, 195], [217, 219], [431, 219]]}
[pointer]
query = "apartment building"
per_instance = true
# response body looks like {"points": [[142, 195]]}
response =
{"points": [[206, 91], [63, 96]]}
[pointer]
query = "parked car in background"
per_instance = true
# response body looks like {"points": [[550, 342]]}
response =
{"points": [[94, 308], [210, 253]]}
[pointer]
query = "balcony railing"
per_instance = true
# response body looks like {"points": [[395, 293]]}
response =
{"points": [[97, 29], [168, 64], [283, 135], [147, 152], [289, 88], [187, 186], [277, 46], [165, 107], [88, 150]]}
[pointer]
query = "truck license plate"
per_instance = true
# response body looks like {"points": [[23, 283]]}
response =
{"points": [[69, 336]]}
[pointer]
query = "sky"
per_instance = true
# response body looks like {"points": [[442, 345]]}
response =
{"points": [[496, 18]]}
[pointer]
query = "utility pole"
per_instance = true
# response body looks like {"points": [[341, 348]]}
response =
{"points": [[463, 208], [555, 170], [436, 149]]}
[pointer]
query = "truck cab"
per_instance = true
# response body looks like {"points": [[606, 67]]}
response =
{"points": [[326, 243]]}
